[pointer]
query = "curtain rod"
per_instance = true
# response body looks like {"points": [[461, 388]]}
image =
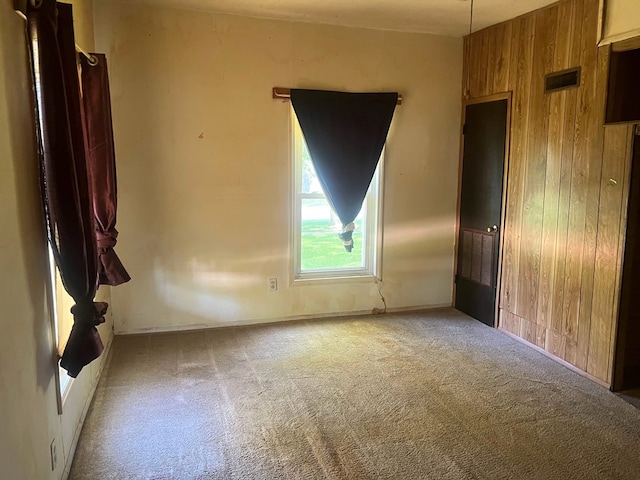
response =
{"points": [[285, 94], [20, 7]]}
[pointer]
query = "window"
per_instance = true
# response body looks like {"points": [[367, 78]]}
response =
{"points": [[318, 252], [62, 320]]}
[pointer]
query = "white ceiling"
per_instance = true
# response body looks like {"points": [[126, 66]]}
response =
{"points": [[445, 17]]}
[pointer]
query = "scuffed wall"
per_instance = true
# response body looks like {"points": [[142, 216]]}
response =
{"points": [[29, 419], [204, 163]]}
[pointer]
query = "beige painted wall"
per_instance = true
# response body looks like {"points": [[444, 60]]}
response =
{"points": [[622, 20], [204, 163], [29, 420]]}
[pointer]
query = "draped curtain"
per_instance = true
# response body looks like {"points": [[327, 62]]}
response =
{"points": [[66, 191], [345, 134], [101, 162]]}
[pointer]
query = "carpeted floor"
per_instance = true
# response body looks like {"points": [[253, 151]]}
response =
{"points": [[631, 396], [433, 395]]}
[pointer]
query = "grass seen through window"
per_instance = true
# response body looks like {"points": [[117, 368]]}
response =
{"points": [[321, 247]]}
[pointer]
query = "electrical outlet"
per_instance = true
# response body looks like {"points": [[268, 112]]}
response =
{"points": [[54, 455], [273, 284]]}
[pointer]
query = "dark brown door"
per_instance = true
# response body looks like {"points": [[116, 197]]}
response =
{"points": [[627, 364], [484, 132]]}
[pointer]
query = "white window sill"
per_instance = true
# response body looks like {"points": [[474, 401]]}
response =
{"points": [[320, 280], [65, 383]]}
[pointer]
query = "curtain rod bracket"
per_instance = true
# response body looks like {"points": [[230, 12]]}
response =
{"points": [[20, 7]]}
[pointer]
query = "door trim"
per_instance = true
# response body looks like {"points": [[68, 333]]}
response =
{"points": [[618, 355], [507, 154]]}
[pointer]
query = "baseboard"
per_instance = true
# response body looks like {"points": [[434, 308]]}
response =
{"points": [[104, 359], [557, 359], [245, 323]]}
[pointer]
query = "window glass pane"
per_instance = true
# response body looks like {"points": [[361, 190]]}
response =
{"points": [[319, 251], [321, 247], [310, 183]]}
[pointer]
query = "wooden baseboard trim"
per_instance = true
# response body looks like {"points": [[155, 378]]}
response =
{"points": [[557, 359]]}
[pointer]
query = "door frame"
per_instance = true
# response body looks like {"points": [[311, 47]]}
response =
{"points": [[619, 307], [507, 154]]}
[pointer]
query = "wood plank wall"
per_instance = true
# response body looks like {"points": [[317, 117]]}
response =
{"points": [[567, 183]]}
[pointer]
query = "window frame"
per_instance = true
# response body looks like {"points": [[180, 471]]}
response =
{"points": [[58, 296], [372, 233]]}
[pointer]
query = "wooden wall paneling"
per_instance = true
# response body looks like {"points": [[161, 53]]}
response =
{"points": [[527, 330], [555, 343], [579, 193], [509, 322], [490, 43], [483, 89], [521, 59], [541, 335], [550, 228], [573, 26], [573, 98], [477, 79], [505, 183], [562, 236], [536, 164], [595, 62], [531, 332], [469, 60], [502, 58], [466, 49], [603, 364], [608, 254]]}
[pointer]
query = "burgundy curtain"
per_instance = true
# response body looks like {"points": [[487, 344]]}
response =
{"points": [[101, 163], [66, 190], [345, 134]]}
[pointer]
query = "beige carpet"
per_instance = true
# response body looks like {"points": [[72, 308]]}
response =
{"points": [[418, 396]]}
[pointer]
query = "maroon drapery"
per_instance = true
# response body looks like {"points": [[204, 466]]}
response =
{"points": [[101, 164], [66, 190]]}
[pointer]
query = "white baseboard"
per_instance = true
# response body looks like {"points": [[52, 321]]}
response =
{"points": [[242, 323], [104, 358]]}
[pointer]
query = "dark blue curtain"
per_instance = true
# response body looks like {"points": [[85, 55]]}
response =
{"points": [[345, 134]]}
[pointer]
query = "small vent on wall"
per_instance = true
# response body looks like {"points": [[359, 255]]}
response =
{"points": [[562, 80]]}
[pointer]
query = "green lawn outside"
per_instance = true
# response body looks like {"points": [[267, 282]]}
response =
{"points": [[321, 247]]}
